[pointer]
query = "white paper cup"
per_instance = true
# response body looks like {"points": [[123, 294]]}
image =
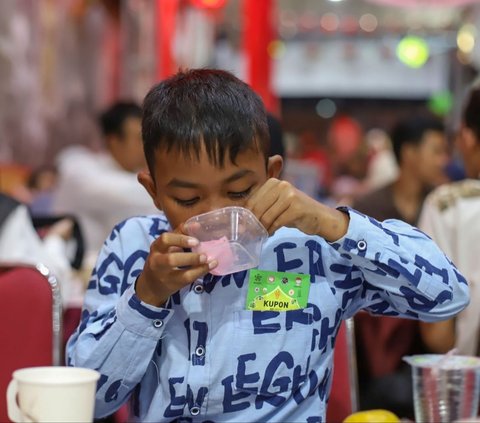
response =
{"points": [[52, 394]]}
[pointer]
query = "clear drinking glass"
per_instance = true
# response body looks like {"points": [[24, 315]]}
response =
{"points": [[445, 388]]}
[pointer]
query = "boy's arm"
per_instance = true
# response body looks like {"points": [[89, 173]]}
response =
{"points": [[395, 269], [118, 334], [390, 267]]}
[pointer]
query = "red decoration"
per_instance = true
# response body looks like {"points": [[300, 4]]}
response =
{"points": [[209, 4], [257, 36], [166, 16]]}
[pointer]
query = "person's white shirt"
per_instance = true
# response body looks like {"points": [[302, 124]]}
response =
{"points": [[94, 188], [450, 215], [20, 244]]}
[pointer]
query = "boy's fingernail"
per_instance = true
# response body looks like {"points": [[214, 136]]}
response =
{"points": [[212, 264], [203, 258], [192, 242]]}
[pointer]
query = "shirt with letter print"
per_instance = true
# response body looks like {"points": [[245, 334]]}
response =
{"points": [[205, 357]]}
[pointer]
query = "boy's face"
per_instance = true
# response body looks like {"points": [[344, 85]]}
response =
{"points": [[184, 187]]}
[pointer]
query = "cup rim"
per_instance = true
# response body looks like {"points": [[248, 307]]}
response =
{"points": [[87, 375], [228, 209], [425, 361]]}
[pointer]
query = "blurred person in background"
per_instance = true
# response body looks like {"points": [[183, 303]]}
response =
{"points": [[348, 155], [20, 243], [420, 146], [101, 188], [312, 152], [382, 165], [451, 217], [42, 183]]}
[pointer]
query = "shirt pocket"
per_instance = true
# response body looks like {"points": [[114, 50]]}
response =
{"points": [[271, 350]]}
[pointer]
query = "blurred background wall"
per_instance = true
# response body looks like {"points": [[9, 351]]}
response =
{"points": [[61, 62]]}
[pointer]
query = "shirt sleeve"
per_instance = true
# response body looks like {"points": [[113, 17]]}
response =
{"points": [[118, 333], [394, 269]]}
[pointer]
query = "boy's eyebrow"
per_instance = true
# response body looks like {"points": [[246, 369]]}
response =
{"points": [[238, 175], [178, 183]]}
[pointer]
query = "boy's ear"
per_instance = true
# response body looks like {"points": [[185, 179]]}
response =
{"points": [[148, 183], [274, 166]]}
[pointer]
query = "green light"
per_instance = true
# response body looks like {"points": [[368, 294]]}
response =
{"points": [[440, 103], [413, 51]]}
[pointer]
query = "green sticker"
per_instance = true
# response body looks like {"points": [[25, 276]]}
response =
{"points": [[277, 291]]}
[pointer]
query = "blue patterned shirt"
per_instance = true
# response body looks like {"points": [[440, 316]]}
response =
{"points": [[204, 357]]}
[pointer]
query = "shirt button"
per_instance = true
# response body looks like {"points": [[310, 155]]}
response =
{"points": [[200, 351], [198, 288], [157, 323], [195, 410], [362, 245]]}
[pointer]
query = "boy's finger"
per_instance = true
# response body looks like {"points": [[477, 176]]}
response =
{"points": [[263, 201], [181, 229], [189, 275], [183, 259], [273, 215], [172, 239]]}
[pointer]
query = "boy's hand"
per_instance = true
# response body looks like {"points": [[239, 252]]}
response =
{"points": [[169, 268], [278, 203]]}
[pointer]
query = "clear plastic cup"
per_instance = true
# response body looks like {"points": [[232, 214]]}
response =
{"points": [[232, 235], [445, 388]]}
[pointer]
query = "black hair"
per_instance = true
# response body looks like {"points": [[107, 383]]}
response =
{"points": [[112, 120], [411, 131], [471, 112], [277, 145], [204, 107]]}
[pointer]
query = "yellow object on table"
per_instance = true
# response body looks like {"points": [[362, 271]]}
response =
{"points": [[372, 416]]}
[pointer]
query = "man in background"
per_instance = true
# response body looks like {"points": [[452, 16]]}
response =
{"points": [[451, 216], [101, 188], [420, 148]]}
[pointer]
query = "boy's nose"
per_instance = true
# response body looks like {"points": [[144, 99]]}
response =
{"points": [[219, 204]]}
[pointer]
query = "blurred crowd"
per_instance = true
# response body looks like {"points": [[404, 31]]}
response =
{"points": [[61, 213]]}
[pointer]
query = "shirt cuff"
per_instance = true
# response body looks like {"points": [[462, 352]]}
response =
{"points": [[141, 318], [361, 237]]}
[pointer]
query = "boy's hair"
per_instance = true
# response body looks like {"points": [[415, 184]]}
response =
{"points": [[112, 120], [204, 107], [277, 145], [471, 111], [411, 131]]}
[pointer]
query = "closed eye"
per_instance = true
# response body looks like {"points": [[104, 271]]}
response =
{"points": [[241, 194], [186, 203]]}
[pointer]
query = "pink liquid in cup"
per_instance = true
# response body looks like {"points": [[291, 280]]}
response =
{"points": [[220, 250]]}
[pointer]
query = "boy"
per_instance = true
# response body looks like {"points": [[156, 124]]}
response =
{"points": [[183, 342]]}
